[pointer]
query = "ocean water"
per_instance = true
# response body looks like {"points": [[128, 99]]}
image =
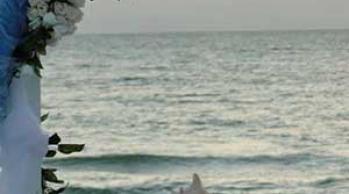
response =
{"points": [[251, 112]]}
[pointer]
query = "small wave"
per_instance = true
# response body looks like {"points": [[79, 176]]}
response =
{"points": [[330, 182], [190, 101], [167, 187], [246, 50], [245, 187], [195, 95], [136, 190], [281, 48], [251, 102], [129, 161], [130, 79], [218, 122]]}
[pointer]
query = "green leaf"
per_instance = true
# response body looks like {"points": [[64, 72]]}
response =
{"points": [[50, 169], [37, 72], [50, 176], [60, 190], [44, 117], [52, 191], [51, 154], [42, 50], [37, 62], [54, 139], [70, 148]]}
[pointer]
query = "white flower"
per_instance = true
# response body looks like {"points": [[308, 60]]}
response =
{"points": [[59, 31], [59, 8], [62, 30], [64, 27], [33, 2], [74, 14], [36, 2], [71, 14], [78, 3], [49, 20], [38, 9], [62, 20], [33, 14]]}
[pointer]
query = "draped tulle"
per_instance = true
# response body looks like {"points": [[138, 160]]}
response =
{"points": [[12, 24], [7, 68], [12, 28], [22, 142]]}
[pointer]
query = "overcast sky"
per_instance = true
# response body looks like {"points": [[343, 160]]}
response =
{"points": [[112, 16]]}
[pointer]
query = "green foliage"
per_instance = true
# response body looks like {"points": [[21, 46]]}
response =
{"points": [[70, 148], [48, 174], [54, 139], [44, 117], [30, 49], [51, 154]]}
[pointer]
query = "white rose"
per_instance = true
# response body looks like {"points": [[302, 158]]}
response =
{"points": [[40, 9], [63, 30], [74, 14], [78, 3], [49, 20], [72, 29], [60, 31], [36, 2], [33, 14], [33, 2], [71, 14], [62, 20], [59, 8]]}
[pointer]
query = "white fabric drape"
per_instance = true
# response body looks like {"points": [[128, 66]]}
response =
{"points": [[23, 144]]}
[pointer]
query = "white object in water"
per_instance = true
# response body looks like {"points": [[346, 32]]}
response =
{"points": [[195, 188]]}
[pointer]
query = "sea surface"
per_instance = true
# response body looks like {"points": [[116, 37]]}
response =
{"points": [[251, 112]]}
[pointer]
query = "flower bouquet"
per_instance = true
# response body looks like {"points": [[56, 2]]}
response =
{"points": [[48, 22]]}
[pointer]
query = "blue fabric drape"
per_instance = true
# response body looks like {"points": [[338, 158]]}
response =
{"points": [[12, 27]]}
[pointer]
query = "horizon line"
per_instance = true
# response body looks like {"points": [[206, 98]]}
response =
{"points": [[210, 31]]}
